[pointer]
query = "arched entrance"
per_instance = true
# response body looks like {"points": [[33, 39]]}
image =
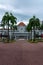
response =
{"points": [[22, 35]]}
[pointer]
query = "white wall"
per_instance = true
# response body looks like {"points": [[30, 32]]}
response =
{"points": [[21, 28]]}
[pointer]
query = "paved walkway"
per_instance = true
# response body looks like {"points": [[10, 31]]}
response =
{"points": [[21, 53]]}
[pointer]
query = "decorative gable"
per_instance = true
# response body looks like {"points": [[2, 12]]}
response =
{"points": [[21, 27], [21, 24]]}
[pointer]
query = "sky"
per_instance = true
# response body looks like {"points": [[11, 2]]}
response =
{"points": [[22, 9]]}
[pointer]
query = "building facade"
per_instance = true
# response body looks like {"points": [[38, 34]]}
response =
{"points": [[20, 33]]}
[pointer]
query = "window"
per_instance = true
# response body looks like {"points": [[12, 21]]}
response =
{"points": [[21, 28]]}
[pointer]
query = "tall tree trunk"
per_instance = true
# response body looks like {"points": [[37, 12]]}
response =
{"points": [[34, 33], [11, 33], [41, 34], [31, 34], [8, 31]]}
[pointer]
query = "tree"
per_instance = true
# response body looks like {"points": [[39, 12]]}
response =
{"points": [[35, 23], [13, 20], [8, 19], [28, 28], [15, 27], [41, 27]]}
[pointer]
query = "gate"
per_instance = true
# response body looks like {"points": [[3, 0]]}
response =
{"points": [[22, 35]]}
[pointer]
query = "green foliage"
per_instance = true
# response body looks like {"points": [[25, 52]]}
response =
{"points": [[28, 27], [9, 20], [8, 17], [33, 22], [15, 27], [32, 41], [41, 27]]}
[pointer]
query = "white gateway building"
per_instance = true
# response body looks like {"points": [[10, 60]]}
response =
{"points": [[20, 33]]}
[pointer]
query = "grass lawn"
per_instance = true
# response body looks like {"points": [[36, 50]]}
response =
{"points": [[36, 40], [5, 40]]}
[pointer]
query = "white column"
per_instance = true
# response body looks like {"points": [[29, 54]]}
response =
{"points": [[32, 34], [27, 37]]}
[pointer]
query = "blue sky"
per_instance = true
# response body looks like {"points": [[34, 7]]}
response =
{"points": [[22, 9]]}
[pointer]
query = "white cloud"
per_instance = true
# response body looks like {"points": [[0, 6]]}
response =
{"points": [[2, 6], [11, 8], [23, 8], [6, 7], [24, 21]]}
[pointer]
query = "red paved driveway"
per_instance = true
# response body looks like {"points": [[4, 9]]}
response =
{"points": [[21, 53]]}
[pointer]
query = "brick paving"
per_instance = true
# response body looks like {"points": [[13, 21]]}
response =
{"points": [[21, 52]]}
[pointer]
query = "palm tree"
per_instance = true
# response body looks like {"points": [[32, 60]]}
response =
{"points": [[35, 23], [13, 22], [8, 19]]}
